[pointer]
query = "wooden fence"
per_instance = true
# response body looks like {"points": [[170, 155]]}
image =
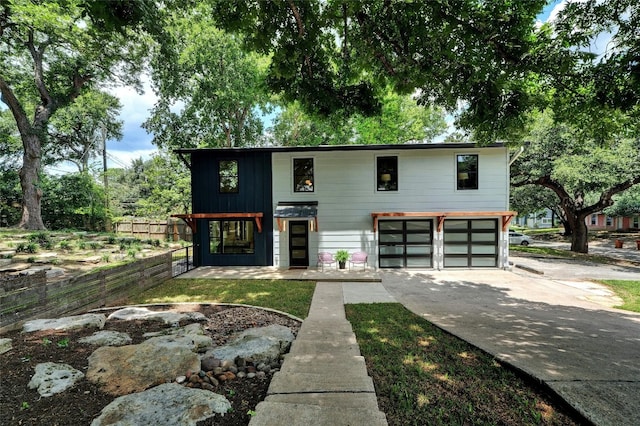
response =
{"points": [[171, 229], [30, 297]]}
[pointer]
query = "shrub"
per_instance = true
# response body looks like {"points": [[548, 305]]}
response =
{"points": [[42, 239]]}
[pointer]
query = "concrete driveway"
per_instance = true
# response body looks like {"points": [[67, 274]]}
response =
{"points": [[563, 332]]}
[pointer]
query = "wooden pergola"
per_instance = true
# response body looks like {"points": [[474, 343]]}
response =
{"points": [[191, 218], [507, 216]]}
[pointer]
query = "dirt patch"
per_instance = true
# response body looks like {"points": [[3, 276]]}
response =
{"points": [[20, 405]]}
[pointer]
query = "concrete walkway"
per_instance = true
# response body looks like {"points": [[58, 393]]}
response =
{"points": [[323, 380]]}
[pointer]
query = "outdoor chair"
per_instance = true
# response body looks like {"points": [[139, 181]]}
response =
{"points": [[358, 257], [325, 258]]}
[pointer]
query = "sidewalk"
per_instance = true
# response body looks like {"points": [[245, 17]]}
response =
{"points": [[323, 380]]}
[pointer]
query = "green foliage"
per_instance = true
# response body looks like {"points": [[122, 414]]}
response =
{"points": [[401, 120], [627, 204], [65, 245], [169, 187], [73, 200], [342, 255], [80, 130], [42, 239], [23, 247], [63, 343], [629, 292], [218, 86]]}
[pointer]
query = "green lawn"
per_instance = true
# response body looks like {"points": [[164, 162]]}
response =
{"points": [[424, 375], [628, 291], [293, 297]]}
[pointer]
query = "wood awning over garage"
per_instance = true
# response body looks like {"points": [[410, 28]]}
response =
{"points": [[191, 218], [507, 216]]}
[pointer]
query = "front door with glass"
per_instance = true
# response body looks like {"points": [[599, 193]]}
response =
{"points": [[298, 244]]}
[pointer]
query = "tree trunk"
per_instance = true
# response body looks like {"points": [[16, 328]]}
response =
{"points": [[580, 236], [29, 181]]}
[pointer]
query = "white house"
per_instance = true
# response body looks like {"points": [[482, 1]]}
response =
{"points": [[423, 206]]}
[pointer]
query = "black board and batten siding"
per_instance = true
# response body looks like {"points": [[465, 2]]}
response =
{"points": [[253, 196]]}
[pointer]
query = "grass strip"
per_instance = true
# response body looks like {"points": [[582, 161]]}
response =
{"points": [[293, 297], [628, 291], [424, 375]]}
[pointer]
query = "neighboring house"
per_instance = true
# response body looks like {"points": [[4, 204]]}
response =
{"points": [[600, 221], [427, 206], [541, 219]]}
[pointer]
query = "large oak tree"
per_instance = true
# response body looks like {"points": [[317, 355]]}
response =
{"points": [[53, 51]]}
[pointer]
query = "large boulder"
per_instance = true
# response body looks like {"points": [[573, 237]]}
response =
{"points": [[51, 378], [134, 368], [168, 317], [167, 404], [262, 344], [191, 336], [66, 323], [107, 338]]}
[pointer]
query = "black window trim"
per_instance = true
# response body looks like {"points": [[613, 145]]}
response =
{"points": [[458, 172], [294, 176], [237, 176], [396, 173]]}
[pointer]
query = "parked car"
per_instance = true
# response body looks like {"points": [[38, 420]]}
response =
{"points": [[517, 238]]}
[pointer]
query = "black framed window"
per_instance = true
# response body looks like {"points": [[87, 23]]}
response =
{"points": [[228, 176], [231, 237], [467, 171], [387, 173], [303, 175]]}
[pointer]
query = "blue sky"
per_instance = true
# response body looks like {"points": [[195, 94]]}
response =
{"points": [[136, 142]]}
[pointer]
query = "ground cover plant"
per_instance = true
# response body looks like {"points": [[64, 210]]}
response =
{"points": [[424, 375], [293, 297], [628, 291]]}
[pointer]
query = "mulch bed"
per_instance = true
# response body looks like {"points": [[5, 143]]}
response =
{"points": [[20, 405]]}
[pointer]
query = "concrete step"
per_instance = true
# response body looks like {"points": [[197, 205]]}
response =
{"points": [[319, 364], [328, 326], [340, 348], [333, 380], [278, 414], [338, 400]]}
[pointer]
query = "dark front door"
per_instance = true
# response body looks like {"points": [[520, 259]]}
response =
{"points": [[298, 243]]}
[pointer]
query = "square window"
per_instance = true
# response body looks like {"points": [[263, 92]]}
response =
{"points": [[467, 171], [228, 176], [387, 173], [231, 237], [303, 175]]}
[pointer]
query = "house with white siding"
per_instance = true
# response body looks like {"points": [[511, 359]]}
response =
{"points": [[427, 206]]}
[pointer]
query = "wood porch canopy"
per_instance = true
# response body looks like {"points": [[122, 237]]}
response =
{"points": [[191, 218], [507, 216]]}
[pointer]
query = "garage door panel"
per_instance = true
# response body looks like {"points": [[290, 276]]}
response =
{"points": [[470, 243], [405, 243]]}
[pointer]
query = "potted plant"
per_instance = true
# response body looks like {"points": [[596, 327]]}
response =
{"points": [[342, 256], [619, 243]]}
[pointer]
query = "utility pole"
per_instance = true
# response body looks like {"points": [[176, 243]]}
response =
{"points": [[107, 215]]}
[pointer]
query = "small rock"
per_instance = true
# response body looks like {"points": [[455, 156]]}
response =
{"points": [[5, 345], [66, 323], [261, 375], [251, 375], [222, 377], [226, 364], [194, 379], [230, 375], [233, 369], [181, 379], [209, 363], [262, 367], [218, 370], [51, 378], [241, 375], [207, 386], [107, 338]]}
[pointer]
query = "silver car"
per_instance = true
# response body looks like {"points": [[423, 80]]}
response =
{"points": [[517, 238]]}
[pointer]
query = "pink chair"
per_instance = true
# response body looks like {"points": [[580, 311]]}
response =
{"points": [[325, 258], [357, 258]]}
